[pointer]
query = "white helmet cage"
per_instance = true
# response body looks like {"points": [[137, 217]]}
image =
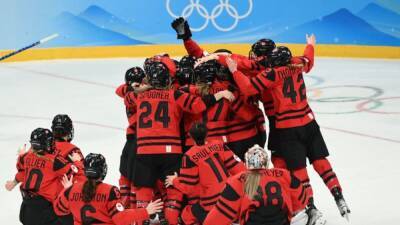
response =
{"points": [[256, 158]]}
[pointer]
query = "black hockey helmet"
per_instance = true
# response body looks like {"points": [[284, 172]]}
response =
{"points": [[42, 140], [134, 75], [187, 61], [207, 71], [95, 166], [62, 127], [158, 75], [281, 56], [147, 63], [185, 70], [223, 50], [263, 47]]}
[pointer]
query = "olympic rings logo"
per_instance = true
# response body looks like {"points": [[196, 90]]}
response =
{"points": [[215, 13]]}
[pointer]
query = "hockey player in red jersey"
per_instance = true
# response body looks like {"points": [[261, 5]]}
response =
{"points": [[159, 140], [211, 78], [240, 134], [63, 131], [250, 66], [95, 202], [205, 168], [133, 78], [297, 131], [259, 195], [40, 172]]}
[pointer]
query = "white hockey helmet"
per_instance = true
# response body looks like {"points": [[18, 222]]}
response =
{"points": [[256, 158]]}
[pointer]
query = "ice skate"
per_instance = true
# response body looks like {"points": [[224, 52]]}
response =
{"points": [[341, 203]]}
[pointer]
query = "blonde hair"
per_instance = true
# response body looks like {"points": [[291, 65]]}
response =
{"points": [[252, 181], [203, 88]]}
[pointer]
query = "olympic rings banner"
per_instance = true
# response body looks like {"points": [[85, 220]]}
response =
{"points": [[137, 22]]}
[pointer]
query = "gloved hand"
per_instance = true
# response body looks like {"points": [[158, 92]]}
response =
{"points": [[181, 26]]}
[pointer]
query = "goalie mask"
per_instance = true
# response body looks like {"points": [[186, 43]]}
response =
{"points": [[256, 158]]}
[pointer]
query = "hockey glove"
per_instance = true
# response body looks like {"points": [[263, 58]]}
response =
{"points": [[181, 26]]}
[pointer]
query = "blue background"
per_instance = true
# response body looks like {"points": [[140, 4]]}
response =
{"points": [[130, 22]]}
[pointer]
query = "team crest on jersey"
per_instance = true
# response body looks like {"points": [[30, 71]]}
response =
{"points": [[119, 207], [74, 169]]}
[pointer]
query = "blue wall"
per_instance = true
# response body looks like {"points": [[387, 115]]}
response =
{"points": [[130, 22]]}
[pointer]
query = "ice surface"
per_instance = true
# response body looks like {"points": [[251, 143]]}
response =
{"points": [[364, 145]]}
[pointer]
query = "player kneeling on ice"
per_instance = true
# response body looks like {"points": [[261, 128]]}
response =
{"points": [[260, 195], [95, 202], [205, 169], [39, 172]]}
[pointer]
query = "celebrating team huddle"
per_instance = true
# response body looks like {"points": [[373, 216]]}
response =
{"points": [[194, 151]]}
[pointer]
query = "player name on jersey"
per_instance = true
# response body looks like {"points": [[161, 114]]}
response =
{"points": [[203, 153], [78, 197], [36, 163], [155, 94], [288, 71]]}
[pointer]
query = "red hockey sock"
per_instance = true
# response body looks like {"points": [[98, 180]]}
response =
{"points": [[302, 175], [160, 191], [278, 162], [173, 205], [325, 171], [125, 189], [132, 199], [144, 195]]}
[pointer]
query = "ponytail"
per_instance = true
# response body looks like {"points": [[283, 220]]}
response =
{"points": [[203, 89], [89, 190], [251, 184]]}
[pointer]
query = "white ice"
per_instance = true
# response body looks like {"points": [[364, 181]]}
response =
{"points": [[364, 145]]}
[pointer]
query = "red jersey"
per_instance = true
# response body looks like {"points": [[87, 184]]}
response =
{"points": [[193, 49], [41, 174], [251, 68], [105, 207], [207, 167], [130, 109], [278, 196], [65, 149], [159, 115], [288, 90], [225, 120]]}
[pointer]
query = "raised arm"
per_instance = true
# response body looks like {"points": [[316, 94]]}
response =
{"points": [[182, 28], [308, 56]]}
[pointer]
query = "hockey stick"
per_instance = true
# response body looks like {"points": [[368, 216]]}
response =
{"points": [[46, 39]]}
